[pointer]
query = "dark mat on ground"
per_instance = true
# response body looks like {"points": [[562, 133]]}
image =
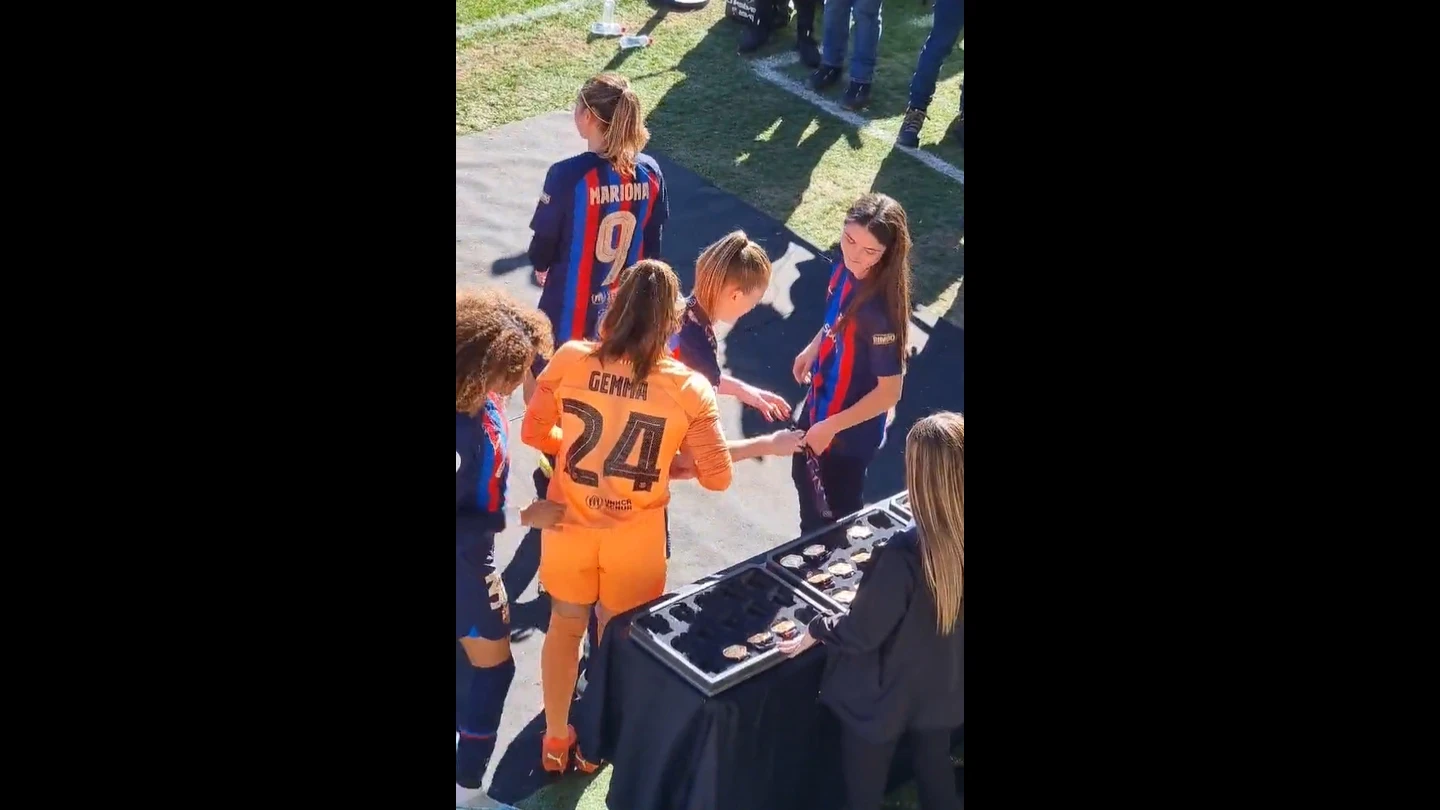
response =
{"points": [[498, 176]]}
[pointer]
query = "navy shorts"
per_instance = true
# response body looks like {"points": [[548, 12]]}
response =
{"points": [[482, 608]]}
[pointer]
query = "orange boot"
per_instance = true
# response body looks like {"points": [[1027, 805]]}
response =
{"points": [[555, 754], [581, 763]]}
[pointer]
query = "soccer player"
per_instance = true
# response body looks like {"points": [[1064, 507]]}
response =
{"points": [[614, 413], [599, 212], [854, 364], [495, 340], [730, 277]]}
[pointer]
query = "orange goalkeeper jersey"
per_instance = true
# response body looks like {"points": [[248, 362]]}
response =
{"points": [[613, 437]]}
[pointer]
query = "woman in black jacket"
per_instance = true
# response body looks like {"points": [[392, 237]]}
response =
{"points": [[897, 661]]}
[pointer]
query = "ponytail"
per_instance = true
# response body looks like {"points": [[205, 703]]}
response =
{"points": [[644, 312], [610, 98], [733, 260]]}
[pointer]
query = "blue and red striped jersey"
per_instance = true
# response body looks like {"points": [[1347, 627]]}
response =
{"points": [[694, 345], [854, 353], [482, 468], [590, 224]]}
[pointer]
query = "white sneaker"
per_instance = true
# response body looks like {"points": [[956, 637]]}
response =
{"points": [[475, 799]]}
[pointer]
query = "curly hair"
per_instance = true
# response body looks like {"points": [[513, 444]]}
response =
{"points": [[496, 339]]}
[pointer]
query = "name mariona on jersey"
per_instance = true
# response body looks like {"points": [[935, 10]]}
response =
{"points": [[605, 383]]}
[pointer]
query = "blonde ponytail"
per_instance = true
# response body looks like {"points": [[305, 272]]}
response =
{"points": [[610, 98]]}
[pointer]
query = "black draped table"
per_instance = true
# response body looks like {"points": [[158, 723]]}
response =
{"points": [[763, 744]]}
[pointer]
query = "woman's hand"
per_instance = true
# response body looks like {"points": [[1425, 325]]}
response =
{"points": [[786, 442], [793, 647], [542, 514], [803, 361], [770, 405], [819, 436]]}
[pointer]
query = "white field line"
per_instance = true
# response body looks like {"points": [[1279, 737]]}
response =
{"points": [[512, 20], [769, 70]]}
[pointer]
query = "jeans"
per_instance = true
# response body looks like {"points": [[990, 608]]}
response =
{"points": [[949, 22], [837, 35]]}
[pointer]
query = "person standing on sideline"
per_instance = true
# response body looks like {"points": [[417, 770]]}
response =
{"points": [[949, 22], [832, 49]]}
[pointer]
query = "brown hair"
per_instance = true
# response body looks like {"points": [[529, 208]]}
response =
{"points": [[614, 104], [644, 312], [496, 339], [886, 220], [935, 477], [732, 260]]}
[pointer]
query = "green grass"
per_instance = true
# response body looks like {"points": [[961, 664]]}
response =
{"points": [[468, 11], [707, 109]]}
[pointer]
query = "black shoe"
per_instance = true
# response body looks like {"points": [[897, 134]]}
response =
{"points": [[857, 96], [808, 50], [910, 129], [752, 39], [823, 77], [957, 130]]}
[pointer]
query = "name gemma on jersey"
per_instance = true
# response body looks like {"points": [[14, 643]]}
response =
{"points": [[619, 386]]}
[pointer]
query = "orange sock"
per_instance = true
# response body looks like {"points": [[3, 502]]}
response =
{"points": [[559, 667]]}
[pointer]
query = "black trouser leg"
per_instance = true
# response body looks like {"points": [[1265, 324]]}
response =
{"points": [[842, 477], [934, 775], [804, 18], [867, 766]]}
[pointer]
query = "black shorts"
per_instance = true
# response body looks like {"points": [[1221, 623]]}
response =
{"points": [[482, 608]]}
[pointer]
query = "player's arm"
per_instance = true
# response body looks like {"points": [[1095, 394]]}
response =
{"points": [[779, 443], [541, 426], [880, 340], [704, 439], [548, 223], [770, 404], [658, 216]]}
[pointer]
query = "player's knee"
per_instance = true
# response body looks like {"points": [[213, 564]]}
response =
{"points": [[567, 626], [485, 653], [569, 609]]}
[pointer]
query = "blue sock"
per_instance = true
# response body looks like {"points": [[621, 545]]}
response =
{"points": [[479, 720]]}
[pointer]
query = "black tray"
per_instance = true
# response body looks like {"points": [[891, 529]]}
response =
{"points": [[900, 505], [838, 548], [687, 633]]}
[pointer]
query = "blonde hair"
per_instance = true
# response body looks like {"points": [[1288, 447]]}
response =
{"points": [[643, 315], [935, 476], [733, 260], [614, 104]]}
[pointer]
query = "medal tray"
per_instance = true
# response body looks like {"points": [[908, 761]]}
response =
{"points": [[884, 524], [900, 505], [688, 633]]}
